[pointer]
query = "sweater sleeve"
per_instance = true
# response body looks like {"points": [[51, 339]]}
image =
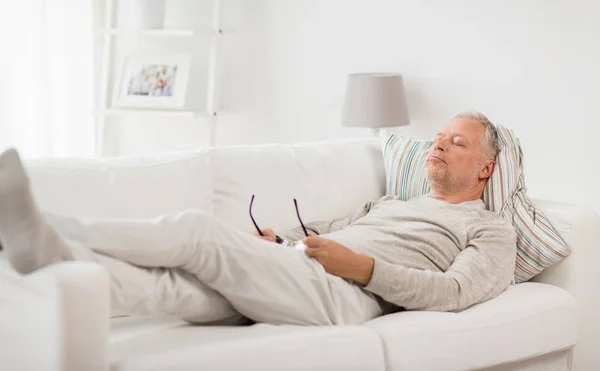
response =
{"points": [[330, 226], [482, 271]]}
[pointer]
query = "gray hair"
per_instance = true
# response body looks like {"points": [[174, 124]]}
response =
{"points": [[491, 145]]}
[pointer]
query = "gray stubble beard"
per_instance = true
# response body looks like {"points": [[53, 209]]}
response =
{"points": [[443, 181]]}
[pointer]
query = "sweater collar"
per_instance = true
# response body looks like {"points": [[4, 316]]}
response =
{"points": [[476, 204]]}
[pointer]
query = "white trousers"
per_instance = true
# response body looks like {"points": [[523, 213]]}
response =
{"points": [[202, 270]]}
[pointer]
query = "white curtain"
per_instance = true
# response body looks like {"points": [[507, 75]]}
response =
{"points": [[46, 83]]}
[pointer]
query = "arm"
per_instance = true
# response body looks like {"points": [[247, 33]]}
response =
{"points": [[479, 273], [329, 226]]}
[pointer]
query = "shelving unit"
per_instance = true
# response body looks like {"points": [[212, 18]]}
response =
{"points": [[109, 32]]}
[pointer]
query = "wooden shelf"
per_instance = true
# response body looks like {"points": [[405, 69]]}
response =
{"points": [[173, 32], [152, 112]]}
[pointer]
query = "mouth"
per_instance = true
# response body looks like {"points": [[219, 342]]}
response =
{"points": [[435, 158]]}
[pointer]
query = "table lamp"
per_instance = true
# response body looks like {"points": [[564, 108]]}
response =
{"points": [[375, 100]]}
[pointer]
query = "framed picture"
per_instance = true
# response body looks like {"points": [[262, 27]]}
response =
{"points": [[153, 82]]}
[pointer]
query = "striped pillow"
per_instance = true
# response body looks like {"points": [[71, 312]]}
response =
{"points": [[538, 244]]}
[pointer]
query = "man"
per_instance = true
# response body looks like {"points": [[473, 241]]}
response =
{"points": [[440, 252]]}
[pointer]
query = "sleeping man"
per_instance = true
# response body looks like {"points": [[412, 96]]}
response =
{"points": [[440, 252]]}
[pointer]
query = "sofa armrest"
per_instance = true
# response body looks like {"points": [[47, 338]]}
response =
{"points": [[579, 273], [55, 319]]}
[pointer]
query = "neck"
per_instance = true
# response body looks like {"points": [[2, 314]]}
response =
{"points": [[457, 196]]}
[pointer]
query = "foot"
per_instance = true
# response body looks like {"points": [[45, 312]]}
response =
{"points": [[28, 242]]}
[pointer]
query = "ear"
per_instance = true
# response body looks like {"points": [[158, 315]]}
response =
{"points": [[487, 170]]}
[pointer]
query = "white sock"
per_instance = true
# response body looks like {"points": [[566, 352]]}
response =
{"points": [[28, 241]]}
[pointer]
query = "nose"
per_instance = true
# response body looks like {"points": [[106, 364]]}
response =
{"points": [[441, 144]]}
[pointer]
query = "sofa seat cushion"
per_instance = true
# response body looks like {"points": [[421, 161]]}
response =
{"points": [[164, 343], [525, 321]]}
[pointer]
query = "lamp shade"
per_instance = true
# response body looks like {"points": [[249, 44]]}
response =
{"points": [[375, 100]]}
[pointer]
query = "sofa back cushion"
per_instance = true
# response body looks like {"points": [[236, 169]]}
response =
{"points": [[329, 180], [127, 187]]}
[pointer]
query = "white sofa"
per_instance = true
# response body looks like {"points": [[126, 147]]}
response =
{"points": [[57, 318]]}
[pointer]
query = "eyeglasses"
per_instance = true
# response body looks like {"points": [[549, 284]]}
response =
{"points": [[277, 238]]}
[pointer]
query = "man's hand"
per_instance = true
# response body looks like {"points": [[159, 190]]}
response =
{"points": [[340, 260], [268, 233]]}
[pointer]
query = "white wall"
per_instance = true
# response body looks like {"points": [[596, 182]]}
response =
{"points": [[530, 65]]}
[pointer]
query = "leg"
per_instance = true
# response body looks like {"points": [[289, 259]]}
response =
{"points": [[32, 243], [262, 280], [138, 290], [141, 290]]}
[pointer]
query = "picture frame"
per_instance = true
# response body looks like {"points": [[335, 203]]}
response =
{"points": [[153, 82]]}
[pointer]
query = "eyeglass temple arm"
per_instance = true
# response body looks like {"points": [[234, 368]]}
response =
{"points": [[252, 218], [299, 218]]}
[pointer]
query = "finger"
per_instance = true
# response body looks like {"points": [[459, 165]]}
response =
{"points": [[311, 251], [268, 231], [312, 241], [265, 232]]}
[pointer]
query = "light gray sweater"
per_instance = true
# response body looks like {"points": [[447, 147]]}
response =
{"points": [[429, 254]]}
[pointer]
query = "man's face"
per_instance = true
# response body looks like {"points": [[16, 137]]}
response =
{"points": [[455, 160]]}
